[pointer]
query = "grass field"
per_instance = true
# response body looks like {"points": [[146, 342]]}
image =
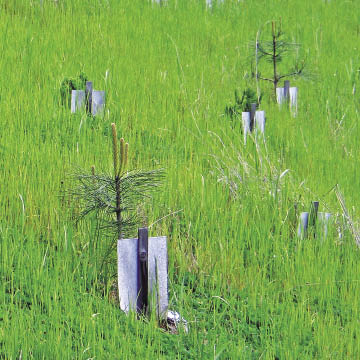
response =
{"points": [[248, 286]]}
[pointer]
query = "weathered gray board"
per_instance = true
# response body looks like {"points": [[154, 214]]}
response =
{"points": [[324, 219], [78, 101], [158, 274], [129, 271], [303, 225], [281, 97], [259, 123], [246, 124], [98, 102]]}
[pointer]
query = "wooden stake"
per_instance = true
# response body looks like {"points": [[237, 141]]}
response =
{"points": [[143, 237], [88, 96], [287, 90], [252, 116], [313, 212]]}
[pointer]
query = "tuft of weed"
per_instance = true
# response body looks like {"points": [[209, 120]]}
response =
{"points": [[69, 84]]}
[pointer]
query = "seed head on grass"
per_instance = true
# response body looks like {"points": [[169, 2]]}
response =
{"points": [[115, 151], [126, 154], [122, 154]]}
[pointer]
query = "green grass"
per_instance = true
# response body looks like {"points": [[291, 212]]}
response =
{"points": [[247, 285]]}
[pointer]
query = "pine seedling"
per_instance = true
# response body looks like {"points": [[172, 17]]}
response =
{"points": [[115, 197], [243, 103], [274, 51]]}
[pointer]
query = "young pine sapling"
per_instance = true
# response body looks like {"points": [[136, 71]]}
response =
{"points": [[273, 52], [115, 197]]}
